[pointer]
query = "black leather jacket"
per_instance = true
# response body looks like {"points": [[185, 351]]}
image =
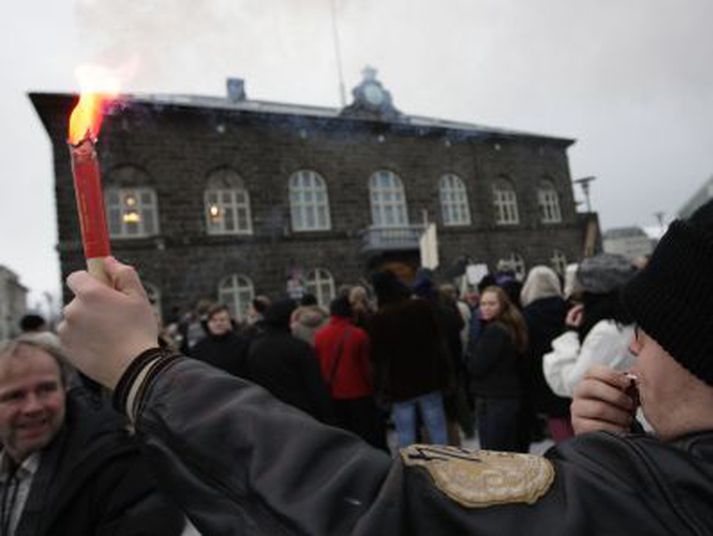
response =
{"points": [[240, 462]]}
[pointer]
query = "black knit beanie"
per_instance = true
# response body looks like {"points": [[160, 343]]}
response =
{"points": [[388, 287], [341, 307], [672, 297], [279, 312]]}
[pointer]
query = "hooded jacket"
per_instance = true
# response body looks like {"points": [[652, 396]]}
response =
{"points": [[544, 311], [306, 321], [288, 368]]}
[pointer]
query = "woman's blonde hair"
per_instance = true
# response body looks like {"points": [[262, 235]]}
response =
{"points": [[510, 317]]}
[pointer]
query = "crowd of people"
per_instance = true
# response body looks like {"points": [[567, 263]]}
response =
{"points": [[611, 347], [236, 459], [499, 363]]}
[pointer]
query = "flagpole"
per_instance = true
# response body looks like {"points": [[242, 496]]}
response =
{"points": [[337, 52]]}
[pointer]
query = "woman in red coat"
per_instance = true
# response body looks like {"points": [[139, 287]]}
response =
{"points": [[343, 352]]}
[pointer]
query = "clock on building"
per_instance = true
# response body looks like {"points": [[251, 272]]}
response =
{"points": [[373, 94]]}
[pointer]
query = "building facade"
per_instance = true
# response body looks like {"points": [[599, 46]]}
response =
{"points": [[225, 198], [13, 303], [630, 242]]}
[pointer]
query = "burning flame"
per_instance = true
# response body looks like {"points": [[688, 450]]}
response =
{"points": [[99, 87]]}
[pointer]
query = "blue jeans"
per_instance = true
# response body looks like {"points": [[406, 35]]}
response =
{"points": [[434, 418]]}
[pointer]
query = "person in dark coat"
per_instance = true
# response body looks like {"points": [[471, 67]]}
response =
{"points": [[450, 324], [68, 466], [287, 366], [410, 360], [544, 311], [496, 364], [222, 347]]}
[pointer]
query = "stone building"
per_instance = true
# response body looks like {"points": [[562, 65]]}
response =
{"points": [[13, 303], [630, 242], [225, 198]]}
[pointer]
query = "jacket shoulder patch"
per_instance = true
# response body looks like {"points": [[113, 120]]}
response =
{"points": [[482, 478]]}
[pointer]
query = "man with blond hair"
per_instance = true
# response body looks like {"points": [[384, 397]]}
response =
{"points": [[67, 466]]}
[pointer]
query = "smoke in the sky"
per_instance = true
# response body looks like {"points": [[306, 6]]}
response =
{"points": [[194, 45], [609, 73]]}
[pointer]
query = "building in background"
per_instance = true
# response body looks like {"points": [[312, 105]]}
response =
{"points": [[702, 195], [226, 197], [13, 303], [630, 242]]}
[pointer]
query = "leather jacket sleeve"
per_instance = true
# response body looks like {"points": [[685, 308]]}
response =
{"points": [[237, 461]]}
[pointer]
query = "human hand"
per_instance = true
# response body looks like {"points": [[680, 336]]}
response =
{"points": [[601, 402], [106, 327], [575, 316]]}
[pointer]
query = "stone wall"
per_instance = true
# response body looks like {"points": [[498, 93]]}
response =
{"points": [[176, 147]]}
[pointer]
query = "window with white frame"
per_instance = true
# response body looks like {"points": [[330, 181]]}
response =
{"points": [[309, 203], [320, 283], [549, 202], [559, 262], [131, 212], [518, 264], [505, 203], [388, 200], [237, 292], [227, 204], [454, 200]]}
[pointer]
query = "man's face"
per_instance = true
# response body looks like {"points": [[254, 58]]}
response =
{"points": [[32, 401], [662, 383], [219, 323]]}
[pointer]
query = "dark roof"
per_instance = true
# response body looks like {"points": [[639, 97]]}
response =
{"points": [[223, 103], [303, 110]]}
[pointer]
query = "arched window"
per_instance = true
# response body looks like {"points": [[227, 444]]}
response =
{"points": [[227, 204], [320, 283], [309, 203], [454, 200], [559, 262], [549, 202], [237, 292], [154, 296], [131, 212], [388, 200], [505, 203]]}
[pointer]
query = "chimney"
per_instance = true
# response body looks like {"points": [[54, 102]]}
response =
{"points": [[236, 89]]}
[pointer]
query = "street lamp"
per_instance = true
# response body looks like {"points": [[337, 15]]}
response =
{"points": [[659, 215], [584, 183]]}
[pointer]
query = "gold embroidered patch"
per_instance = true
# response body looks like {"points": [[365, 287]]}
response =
{"points": [[481, 478]]}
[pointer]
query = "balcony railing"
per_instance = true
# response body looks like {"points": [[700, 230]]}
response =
{"points": [[402, 238]]}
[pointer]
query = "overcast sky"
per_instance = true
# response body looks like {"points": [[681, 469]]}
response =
{"points": [[631, 80]]}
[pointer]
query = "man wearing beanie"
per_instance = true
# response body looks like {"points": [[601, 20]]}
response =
{"points": [[671, 301], [278, 471]]}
